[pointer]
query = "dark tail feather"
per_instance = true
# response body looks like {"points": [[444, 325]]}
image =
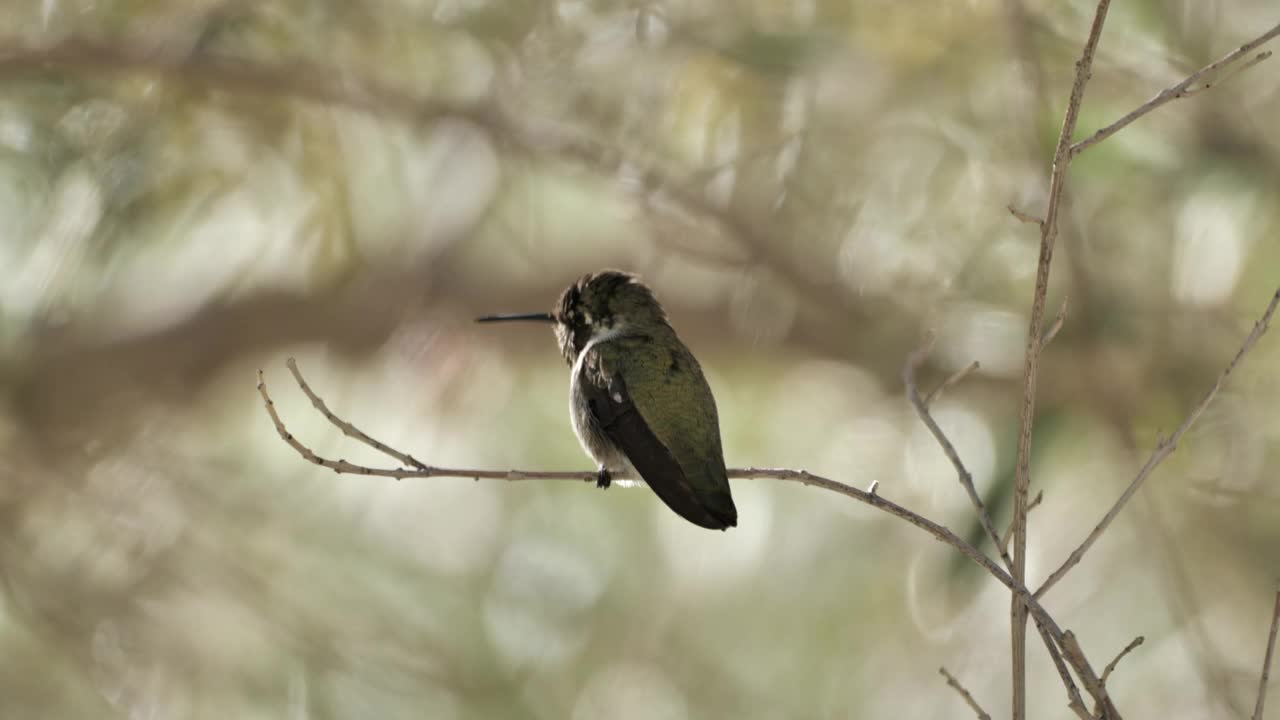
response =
{"points": [[720, 507]]}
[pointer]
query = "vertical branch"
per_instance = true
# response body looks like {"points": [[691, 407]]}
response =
{"points": [[1266, 660], [1035, 334]]}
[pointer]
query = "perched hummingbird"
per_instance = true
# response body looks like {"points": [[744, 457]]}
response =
{"points": [[638, 400]]}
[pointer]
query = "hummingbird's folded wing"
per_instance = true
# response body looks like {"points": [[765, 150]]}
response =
{"points": [[690, 480]]}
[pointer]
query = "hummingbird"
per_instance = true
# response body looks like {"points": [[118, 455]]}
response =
{"points": [[637, 397]]}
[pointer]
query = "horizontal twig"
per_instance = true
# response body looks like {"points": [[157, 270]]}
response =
{"points": [[1074, 654], [1050, 627], [1024, 216]]}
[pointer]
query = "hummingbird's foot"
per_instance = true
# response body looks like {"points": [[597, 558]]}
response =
{"points": [[603, 478]]}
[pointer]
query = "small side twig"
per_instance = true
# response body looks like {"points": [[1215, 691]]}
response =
{"points": [[1075, 655], [1227, 76], [1039, 498], [1111, 666], [400, 473], [1024, 216], [1182, 89], [1163, 449], [1057, 324], [347, 428], [1074, 701], [964, 694], [921, 406], [950, 382], [1266, 660]]}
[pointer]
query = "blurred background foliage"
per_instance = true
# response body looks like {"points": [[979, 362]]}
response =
{"points": [[191, 189]]}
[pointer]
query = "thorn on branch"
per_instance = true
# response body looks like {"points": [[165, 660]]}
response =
{"points": [[1025, 217]]}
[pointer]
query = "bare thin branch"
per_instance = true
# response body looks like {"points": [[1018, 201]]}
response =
{"points": [[1111, 666], [966, 480], [964, 694], [1074, 654], [1049, 629], [1035, 336], [347, 428], [1183, 89], [1074, 701], [1163, 449], [418, 470], [1196, 90], [1049, 634], [1266, 660], [951, 382]]}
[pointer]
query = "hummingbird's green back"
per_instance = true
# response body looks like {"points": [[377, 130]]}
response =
{"points": [[668, 390]]}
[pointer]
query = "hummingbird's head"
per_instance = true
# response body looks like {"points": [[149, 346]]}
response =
{"points": [[608, 302], [605, 303]]}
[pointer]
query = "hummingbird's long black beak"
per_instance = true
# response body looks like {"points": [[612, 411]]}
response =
{"points": [[537, 317]]}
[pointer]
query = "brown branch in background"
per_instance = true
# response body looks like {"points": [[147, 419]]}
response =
{"points": [[1051, 638], [1035, 335], [950, 382], [964, 694], [1182, 89], [1163, 449], [302, 80], [1266, 660], [1111, 666]]}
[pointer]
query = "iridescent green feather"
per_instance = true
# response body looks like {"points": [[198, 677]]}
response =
{"points": [[667, 387]]}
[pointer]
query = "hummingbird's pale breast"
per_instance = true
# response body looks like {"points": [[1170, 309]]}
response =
{"points": [[590, 434]]}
